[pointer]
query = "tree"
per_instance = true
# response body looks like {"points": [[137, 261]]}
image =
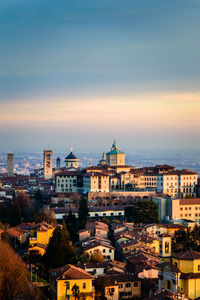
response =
{"points": [[75, 291], [72, 225], [23, 200], [83, 213], [15, 214], [39, 200], [60, 250], [186, 239], [14, 282], [97, 257], [144, 211]]}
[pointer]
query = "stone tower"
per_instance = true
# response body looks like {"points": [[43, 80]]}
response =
{"points": [[58, 163], [10, 164], [47, 164]]}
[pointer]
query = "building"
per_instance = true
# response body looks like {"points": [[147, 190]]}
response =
{"points": [[10, 164], [96, 182], [102, 162], [107, 250], [178, 183], [186, 209], [48, 170], [71, 160], [164, 207], [94, 212], [68, 181], [181, 274], [41, 233], [58, 163], [64, 280], [115, 157], [118, 286]]}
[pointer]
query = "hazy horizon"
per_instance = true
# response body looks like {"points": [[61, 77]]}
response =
{"points": [[83, 73]]}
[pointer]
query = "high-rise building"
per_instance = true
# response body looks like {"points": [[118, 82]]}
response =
{"points": [[47, 164], [10, 164]]}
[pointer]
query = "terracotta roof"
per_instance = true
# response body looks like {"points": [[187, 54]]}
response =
{"points": [[190, 275], [68, 173], [16, 232], [69, 272], [192, 201], [187, 255], [96, 244], [38, 245]]}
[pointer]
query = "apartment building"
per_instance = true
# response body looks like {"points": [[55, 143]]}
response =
{"points": [[177, 183], [186, 209]]}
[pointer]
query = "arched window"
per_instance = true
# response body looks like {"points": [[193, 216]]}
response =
{"points": [[166, 247]]}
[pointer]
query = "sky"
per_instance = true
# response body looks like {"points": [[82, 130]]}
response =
{"points": [[83, 73]]}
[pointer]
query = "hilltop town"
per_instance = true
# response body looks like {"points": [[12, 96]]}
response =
{"points": [[109, 231]]}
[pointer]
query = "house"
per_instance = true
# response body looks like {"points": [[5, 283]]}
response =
{"points": [[41, 233], [37, 249], [118, 286], [93, 229], [100, 268], [71, 282], [180, 272], [107, 250], [17, 235]]}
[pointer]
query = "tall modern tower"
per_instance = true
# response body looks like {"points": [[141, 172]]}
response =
{"points": [[48, 164], [10, 164]]}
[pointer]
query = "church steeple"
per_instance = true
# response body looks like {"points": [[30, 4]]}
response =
{"points": [[114, 146]]}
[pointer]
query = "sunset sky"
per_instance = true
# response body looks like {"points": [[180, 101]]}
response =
{"points": [[84, 72]]}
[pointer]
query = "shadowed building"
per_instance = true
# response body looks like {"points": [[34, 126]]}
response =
{"points": [[10, 164], [58, 163], [47, 164]]}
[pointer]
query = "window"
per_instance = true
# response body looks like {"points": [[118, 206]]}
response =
{"points": [[128, 285], [181, 208], [181, 215], [120, 285], [198, 267], [189, 208], [185, 215], [84, 285], [108, 256], [166, 247], [189, 215], [110, 250], [185, 208], [135, 284], [104, 250]]}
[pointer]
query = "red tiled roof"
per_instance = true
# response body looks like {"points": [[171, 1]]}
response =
{"points": [[193, 201], [187, 255], [71, 272]]}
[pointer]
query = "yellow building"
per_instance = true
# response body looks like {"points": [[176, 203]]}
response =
{"points": [[186, 209], [37, 249], [69, 278], [41, 233], [115, 157], [181, 273]]}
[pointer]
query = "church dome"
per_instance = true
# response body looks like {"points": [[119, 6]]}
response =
{"points": [[71, 156]]}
